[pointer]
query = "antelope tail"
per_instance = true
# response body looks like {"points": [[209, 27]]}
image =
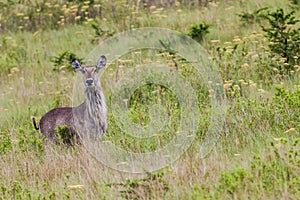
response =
{"points": [[34, 123]]}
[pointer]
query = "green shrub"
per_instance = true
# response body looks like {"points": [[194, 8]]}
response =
{"points": [[198, 31], [64, 60], [284, 39], [17, 190], [230, 181], [63, 135], [30, 141], [5, 142], [286, 106]]}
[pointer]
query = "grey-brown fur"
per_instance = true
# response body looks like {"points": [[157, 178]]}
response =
{"points": [[86, 120]]}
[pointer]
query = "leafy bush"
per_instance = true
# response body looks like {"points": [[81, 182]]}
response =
{"points": [[64, 136], [198, 31], [30, 141], [64, 60], [5, 142], [284, 39], [287, 107], [17, 190], [230, 181]]}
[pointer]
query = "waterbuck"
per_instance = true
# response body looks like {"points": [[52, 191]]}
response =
{"points": [[88, 120]]}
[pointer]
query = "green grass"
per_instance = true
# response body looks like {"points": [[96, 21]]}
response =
{"points": [[257, 155]]}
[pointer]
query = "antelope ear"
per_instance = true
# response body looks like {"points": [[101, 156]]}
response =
{"points": [[76, 65], [101, 63]]}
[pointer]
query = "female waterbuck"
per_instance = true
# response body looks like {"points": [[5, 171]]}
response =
{"points": [[86, 121]]}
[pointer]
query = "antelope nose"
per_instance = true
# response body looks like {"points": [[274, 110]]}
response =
{"points": [[89, 81]]}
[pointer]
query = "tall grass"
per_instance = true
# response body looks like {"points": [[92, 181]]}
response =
{"points": [[256, 156]]}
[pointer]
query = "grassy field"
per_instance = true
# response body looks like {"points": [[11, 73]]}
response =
{"points": [[257, 155]]}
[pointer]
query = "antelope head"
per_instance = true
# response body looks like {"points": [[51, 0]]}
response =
{"points": [[90, 77]]}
